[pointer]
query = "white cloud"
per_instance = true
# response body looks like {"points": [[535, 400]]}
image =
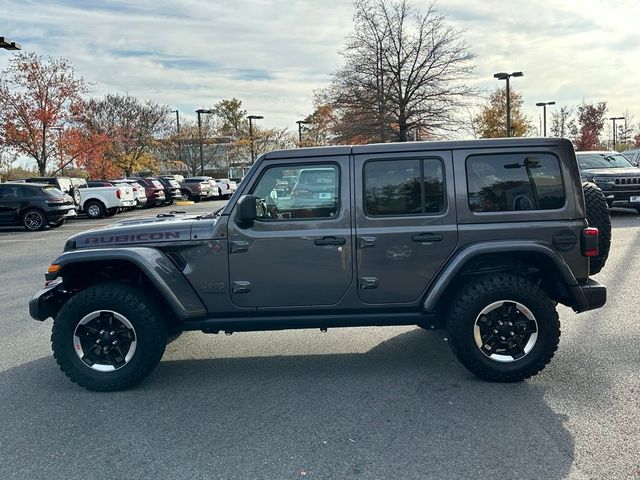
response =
{"points": [[273, 54]]}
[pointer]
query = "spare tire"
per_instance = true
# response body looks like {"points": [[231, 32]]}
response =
{"points": [[598, 216]]}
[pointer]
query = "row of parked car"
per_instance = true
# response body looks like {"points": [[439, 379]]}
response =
{"points": [[38, 202]]}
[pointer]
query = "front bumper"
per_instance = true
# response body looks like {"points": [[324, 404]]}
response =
{"points": [[622, 198], [589, 296], [47, 302]]}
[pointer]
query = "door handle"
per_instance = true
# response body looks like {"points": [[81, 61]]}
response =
{"points": [[426, 237], [330, 241]]}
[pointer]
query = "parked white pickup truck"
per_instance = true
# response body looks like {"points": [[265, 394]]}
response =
{"points": [[97, 202]]}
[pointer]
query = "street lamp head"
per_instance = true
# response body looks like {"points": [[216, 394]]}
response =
{"points": [[517, 74], [501, 75], [616, 118], [540, 104], [255, 117], [202, 110], [303, 122], [9, 45], [551, 103]]}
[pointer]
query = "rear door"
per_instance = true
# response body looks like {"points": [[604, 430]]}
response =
{"points": [[405, 223]]}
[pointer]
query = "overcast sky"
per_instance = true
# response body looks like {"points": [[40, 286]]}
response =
{"points": [[272, 54]]}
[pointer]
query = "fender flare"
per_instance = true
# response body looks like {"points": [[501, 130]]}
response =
{"points": [[158, 268], [458, 261]]}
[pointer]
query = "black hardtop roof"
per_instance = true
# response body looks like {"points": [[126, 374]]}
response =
{"points": [[417, 147]]}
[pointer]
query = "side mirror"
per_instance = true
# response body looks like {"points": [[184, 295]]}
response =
{"points": [[247, 209]]}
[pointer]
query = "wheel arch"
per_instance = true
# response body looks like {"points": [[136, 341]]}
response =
{"points": [[142, 266], [529, 259]]}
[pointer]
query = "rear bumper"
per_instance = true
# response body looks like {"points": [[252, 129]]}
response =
{"points": [[589, 296]]}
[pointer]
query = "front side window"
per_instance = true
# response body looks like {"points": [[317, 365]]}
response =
{"points": [[404, 187], [514, 182], [298, 192]]}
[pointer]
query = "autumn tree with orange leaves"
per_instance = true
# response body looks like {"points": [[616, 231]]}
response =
{"points": [[35, 95]]}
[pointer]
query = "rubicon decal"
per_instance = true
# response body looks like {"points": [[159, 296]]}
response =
{"points": [[132, 238]]}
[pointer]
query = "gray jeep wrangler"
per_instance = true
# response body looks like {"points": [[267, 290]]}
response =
{"points": [[482, 238]]}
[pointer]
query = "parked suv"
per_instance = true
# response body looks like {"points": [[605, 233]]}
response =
{"points": [[196, 188], [618, 179], [481, 238], [34, 206], [633, 156], [64, 184], [172, 190]]}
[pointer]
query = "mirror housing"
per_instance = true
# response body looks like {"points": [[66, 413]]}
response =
{"points": [[247, 209]]}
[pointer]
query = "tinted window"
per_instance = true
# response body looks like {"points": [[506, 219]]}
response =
{"points": [[404, 187], [514, 182], [8, 192], [315, 193]]}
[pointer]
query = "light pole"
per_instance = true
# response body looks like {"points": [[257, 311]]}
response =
{"points": [[300, 123], [178, 133], [253, 148], [201, 111], [544, 113], [8, 44], [507, 76], [614, 129]]}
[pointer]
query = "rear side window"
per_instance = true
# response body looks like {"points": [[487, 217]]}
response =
{"points": [[404, 187], [52, 192], [514, 182]]}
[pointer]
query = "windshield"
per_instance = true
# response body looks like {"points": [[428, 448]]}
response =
{"points": [[602, 160], [156, 183]]}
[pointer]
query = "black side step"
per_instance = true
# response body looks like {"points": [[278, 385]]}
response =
{"points": [[285, 322]]}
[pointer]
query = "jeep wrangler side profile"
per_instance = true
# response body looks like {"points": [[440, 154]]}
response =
{"points": [[482, 238]]}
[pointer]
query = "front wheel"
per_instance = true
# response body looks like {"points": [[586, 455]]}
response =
{"points": [[109, 337], [503, 328]]}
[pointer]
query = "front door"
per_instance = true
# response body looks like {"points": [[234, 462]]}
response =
{"points": [[299, 250], [405, 223]]}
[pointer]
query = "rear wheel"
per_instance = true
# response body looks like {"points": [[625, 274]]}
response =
{"points": [[503, 328], [34, 220], [598, 216], [94, 209], [109, 337], [110, 212]]}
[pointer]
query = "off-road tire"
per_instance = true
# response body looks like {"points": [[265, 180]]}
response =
{"points": [[94, 209], [34, 220], [477, 295], [75, 194], [150, 328], [598, 216]]}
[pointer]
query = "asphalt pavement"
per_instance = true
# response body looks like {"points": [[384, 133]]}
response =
{"points": [[362, 403]]}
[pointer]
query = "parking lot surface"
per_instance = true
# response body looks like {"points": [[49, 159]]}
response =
{"points": [[370, 403]]}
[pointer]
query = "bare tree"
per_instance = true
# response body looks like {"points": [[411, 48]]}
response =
{"points": [[404, 69], [562, 123]]}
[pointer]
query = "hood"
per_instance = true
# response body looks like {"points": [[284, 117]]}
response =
{"points": [[160, 229], [611, 172]]}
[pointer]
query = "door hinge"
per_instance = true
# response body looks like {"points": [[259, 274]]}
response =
{"points": [[367, 283], [241, 287], [366, 242], [239, 247]]}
